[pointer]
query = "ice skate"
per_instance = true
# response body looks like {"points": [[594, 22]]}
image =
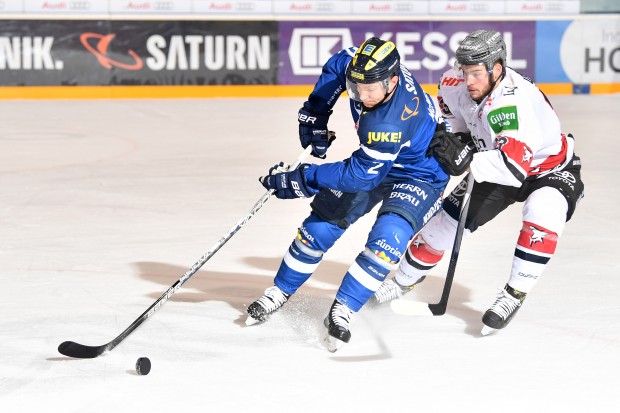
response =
{"points": [[503, 309], [390, 290], [269, 303], [337, 322]]}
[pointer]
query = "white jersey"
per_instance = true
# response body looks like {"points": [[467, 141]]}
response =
{"points": [[515, 129]]}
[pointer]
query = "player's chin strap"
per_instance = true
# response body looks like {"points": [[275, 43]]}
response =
{"points": [[493, 83], [499, 79]]}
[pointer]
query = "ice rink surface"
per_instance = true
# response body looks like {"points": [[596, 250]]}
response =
{"points": [[105, 204]]}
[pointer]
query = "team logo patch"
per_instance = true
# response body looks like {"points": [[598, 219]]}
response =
{"points": [[527, 155], [408, 112], [537, 235], [537, 242], [368, 49], [500, 142]]}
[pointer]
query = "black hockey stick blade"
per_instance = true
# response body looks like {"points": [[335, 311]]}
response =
{"points": [[441, 307], [80, 351]]}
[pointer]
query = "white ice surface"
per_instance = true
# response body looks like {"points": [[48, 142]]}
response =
{"points": [[105, 204]]}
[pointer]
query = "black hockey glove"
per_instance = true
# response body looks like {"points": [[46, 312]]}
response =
{"points": [[465, 137], [288, 184], [313, 131], [452, 153]]}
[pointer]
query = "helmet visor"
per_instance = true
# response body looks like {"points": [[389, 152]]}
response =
{"points": [[353, 91]]}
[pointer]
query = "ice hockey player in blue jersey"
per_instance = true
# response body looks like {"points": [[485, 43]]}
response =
{"points": [[395, 121]]}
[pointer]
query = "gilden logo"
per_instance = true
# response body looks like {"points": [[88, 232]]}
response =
{"points": [[102, 43]]}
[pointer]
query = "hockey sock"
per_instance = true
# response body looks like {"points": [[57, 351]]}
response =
{"points": [[535, 247], [362, 280], [297, 266], [419, 259]]}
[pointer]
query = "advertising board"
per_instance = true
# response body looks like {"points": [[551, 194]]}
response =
{"points": [[560, 55]]}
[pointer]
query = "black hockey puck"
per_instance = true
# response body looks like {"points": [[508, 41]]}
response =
{"points": [[143, 366]]}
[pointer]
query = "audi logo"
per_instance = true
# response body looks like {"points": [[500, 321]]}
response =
{"points": [[163, 5], [324, 7], [555, 7], [403, 7], [79, 5], [245, 6], [479, 7]]}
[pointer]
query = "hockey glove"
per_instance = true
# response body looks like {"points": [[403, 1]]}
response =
{"points": [[313, 131], [465, 137], [453, 154], [289, 184]]}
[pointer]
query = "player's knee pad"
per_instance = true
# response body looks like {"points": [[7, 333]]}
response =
{"points": [[546, 207], [306, 251], [303, 256], [317, 235], [440, 231], [388, 238]]}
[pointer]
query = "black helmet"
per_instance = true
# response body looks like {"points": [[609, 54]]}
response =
{"points": [[482, 47], [376, 60]]}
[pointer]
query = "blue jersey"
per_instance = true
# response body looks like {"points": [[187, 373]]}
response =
{"points": [[394, 135]]}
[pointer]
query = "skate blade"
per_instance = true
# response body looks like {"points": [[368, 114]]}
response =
{"points": [[408, 307], [250, 321], [332, 344], [486, 330]]}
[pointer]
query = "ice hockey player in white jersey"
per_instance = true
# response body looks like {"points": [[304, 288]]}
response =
{"points": [[506, 133]]}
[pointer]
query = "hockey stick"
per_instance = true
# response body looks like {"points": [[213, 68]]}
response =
{"points": [[408, 307], [76, 350]]}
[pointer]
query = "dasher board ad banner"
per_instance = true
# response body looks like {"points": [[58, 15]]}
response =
{"points": [[94, 53], [426, 48], [580, 52], [583, 53]]}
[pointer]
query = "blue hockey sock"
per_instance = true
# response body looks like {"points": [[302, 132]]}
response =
{"points": [[361, 281], [296, 267]]}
